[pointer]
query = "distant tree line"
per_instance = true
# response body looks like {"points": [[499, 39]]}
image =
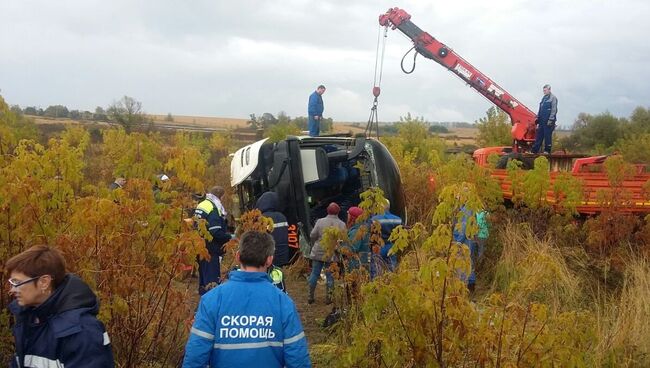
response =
{"points": [[126, 112], [599, 134], [61, 111], [432, 128], [604, 134]]}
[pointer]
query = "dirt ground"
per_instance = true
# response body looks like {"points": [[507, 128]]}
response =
{"points": [[312, 315]]}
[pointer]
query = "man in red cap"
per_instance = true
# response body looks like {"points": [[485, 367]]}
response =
{"points": [[318, 256]]}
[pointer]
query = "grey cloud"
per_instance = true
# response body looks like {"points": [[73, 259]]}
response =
{"points": [[224, 58]]}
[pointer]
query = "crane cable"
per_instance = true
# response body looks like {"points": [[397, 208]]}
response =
{"points": [[377, 58], [415, 54], [376, 88]]}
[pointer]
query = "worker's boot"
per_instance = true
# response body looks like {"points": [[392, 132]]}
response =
{"points": [[328, 297], [312, 290]]}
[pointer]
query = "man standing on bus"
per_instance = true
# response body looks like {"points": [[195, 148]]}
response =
{"points": [[315, 110]]}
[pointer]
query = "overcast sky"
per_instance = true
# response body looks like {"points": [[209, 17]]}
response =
{"points": [[232, 58]]}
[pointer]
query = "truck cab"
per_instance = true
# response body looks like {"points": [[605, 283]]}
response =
{"points": [[308, 173]]}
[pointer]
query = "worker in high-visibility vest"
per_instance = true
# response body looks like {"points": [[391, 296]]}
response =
{"points": [[211, 209]]}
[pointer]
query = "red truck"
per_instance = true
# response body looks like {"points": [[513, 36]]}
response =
{"points": [[588, 170]]}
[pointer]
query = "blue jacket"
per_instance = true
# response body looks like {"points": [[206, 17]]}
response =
{"points": [[216, 225], [69, 333], [388, 222], [246, 322], [315, 106], [268, 205], [460, 235], [359, 246], [547, 109]]}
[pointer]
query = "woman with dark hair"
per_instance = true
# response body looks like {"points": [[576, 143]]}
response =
{"points": [[56, 314]]}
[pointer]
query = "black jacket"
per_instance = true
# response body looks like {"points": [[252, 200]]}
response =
{"points": [[268, 205], [68, 332]]}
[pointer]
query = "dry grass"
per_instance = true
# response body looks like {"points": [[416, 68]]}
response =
{"points": [[464, 132], [460, 136], [623, 324], [40, 120], [532, 269]]}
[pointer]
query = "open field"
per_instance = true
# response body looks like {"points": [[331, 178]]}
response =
{"points": [[203, 121], [456, 136]]}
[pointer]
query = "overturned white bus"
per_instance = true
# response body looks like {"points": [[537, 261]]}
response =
{"points": [[308, 173]]}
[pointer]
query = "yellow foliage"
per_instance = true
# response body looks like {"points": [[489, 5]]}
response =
{"points": [[131, 250], [332, 239]]}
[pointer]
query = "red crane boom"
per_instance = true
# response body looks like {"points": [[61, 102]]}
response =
{"points": [[521, 117]]}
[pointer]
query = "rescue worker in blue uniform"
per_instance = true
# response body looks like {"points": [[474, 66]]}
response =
{"points": [[460, 236], [268, 204], [315, 109], [546, 118], [212, 211], [55, 313], [248, 322], [388, 222]]}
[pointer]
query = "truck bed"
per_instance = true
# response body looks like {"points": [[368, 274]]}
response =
{"points": [[631, 195]]}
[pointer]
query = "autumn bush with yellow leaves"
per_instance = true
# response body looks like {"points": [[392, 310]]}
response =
{"points": [[544, 299], [130, 246], [553, 289]]}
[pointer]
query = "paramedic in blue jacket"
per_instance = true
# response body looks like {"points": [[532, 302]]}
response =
{"points": [[55, 314], [315, 110], [546, 118], [388, 222], [247, 321], [268, 204], [213, 212]]}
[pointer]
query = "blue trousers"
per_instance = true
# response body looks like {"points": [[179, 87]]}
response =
{"points": [[316, 268], [544, 134], [209, 273], [314, 127], [474, 254], [391, 261]]}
